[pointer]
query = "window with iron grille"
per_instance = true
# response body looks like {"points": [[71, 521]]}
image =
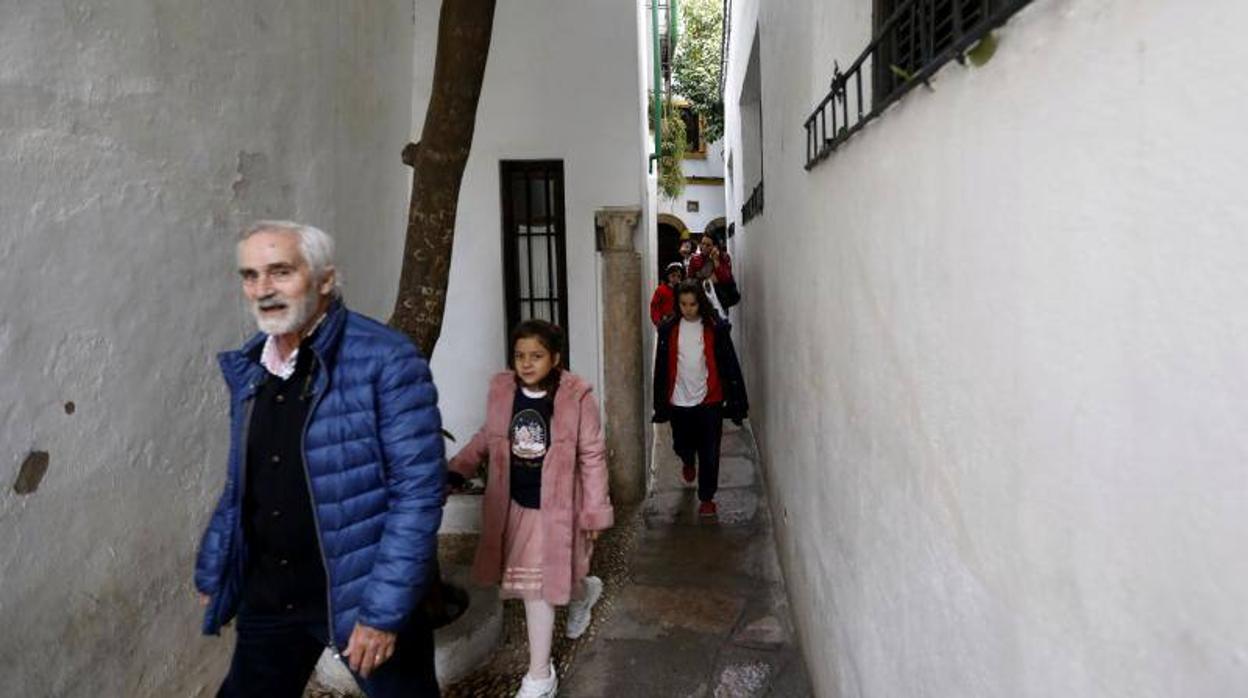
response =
{"points": [[920, 32], [534, 244], [912, 39], [693, 131]]}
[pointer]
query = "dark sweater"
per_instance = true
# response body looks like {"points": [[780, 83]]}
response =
{"points": [[285, 573], [530, 439]]}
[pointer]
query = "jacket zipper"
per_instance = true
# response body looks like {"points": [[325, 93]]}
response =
{"points": [[236, 534], [307, 478]]}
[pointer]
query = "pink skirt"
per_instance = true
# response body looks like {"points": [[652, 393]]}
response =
{"points": [[523, 542]]}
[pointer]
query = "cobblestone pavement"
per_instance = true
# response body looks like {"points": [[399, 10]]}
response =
{"points": [[501, 675], [704, 611], [692, 608]]}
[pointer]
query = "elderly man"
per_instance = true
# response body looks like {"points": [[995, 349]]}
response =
{"points": [[325, 534]]}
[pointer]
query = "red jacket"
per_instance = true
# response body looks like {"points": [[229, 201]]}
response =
{"points": [[714, 388], [725, 384], [722, 272], [662, 304]]}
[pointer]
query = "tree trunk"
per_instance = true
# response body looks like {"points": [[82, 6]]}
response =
{"points": [[464, 30]]}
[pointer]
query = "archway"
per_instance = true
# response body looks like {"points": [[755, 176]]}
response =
{"points": [[671, 231]]}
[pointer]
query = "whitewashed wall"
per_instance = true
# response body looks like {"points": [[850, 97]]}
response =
{"points": [[996, 345], [562, 83], [135, 138], [710, 197]]}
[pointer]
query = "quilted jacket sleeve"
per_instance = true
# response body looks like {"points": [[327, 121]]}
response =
{"points": [[410, 428], [596, 513], [214, 545]]}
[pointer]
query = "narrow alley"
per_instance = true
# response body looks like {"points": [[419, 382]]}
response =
{"points": [[330, 332], [695, 607], [704, 611]]}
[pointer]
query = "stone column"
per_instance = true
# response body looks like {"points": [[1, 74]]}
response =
{"points": [[623, 365]]}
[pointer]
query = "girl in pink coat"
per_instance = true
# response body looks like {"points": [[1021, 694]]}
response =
{"points": [[546, 493]]}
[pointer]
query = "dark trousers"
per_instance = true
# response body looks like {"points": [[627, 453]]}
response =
{"points": [[275, 655], [696, 432]]}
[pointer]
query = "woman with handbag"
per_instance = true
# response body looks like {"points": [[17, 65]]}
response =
{"points": [[713, 266]]}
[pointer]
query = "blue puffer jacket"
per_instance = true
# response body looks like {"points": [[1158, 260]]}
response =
{"points": [[375, 464]]}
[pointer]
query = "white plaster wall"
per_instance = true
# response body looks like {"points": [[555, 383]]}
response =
{"points": [[710, 197], [645, 240], [562, 83], [996, 349], [135, 138]]}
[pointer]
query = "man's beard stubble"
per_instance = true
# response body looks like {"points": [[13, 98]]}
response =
{"points": [[298, 312]]}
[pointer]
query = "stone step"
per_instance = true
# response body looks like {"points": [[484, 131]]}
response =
{"points": [[461, 646]]}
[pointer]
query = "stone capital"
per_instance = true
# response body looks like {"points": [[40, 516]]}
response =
{"points": [[617, 223]]}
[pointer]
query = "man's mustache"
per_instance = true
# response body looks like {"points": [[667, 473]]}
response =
{"points": [[270, 303]]}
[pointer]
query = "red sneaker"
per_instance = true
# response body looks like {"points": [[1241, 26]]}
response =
{"points": [[689, 473], [707, 509]]}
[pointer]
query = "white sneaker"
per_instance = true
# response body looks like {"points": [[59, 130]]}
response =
{"points": [[579, 611], [539, 688]]}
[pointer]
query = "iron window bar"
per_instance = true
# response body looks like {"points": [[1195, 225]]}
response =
{"points": [[920, 35], [754, 205]]}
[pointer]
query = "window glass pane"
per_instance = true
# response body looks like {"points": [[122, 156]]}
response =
{"points": [[519, 209], [537, 212], [522, 247], [542, 278]]}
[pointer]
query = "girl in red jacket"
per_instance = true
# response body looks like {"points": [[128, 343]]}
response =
{"points": [[546, 494], [663, 302], [697, 384]]}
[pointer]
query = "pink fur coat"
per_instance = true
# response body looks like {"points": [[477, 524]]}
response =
{"points": [[574, 483]]}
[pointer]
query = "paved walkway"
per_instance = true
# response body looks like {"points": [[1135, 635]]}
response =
{"points": [[702, 611]]}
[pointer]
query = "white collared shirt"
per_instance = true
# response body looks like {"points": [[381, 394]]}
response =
{"points": [[272, 360]]}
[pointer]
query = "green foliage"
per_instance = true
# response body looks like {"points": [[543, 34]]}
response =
{"points": [[905, 75], [983, 50], [695, 68], [671, 176]]}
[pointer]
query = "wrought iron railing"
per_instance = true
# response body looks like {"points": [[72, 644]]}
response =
{"points": [[754, 205], [914, 41]]}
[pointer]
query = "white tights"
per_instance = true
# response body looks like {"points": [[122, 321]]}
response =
{"points": [[539, 619]]}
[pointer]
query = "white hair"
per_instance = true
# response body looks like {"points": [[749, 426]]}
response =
{"points": [[316, 246]]}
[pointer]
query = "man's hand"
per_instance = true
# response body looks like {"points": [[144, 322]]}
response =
{"points": [[592, 535], [368, 649], [204, 599]]}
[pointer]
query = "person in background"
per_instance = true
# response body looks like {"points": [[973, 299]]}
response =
{"points": [[686, 254], [712, 267], [663, 302], [697, 384]]}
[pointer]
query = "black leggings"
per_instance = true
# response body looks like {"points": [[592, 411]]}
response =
{"points": [[696, 432]]}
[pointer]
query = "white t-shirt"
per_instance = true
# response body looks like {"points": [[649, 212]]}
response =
{"points": [[691, 372]]}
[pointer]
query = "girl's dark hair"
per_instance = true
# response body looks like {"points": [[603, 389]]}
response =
{"points": [[550, 336], [705, 309]]}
